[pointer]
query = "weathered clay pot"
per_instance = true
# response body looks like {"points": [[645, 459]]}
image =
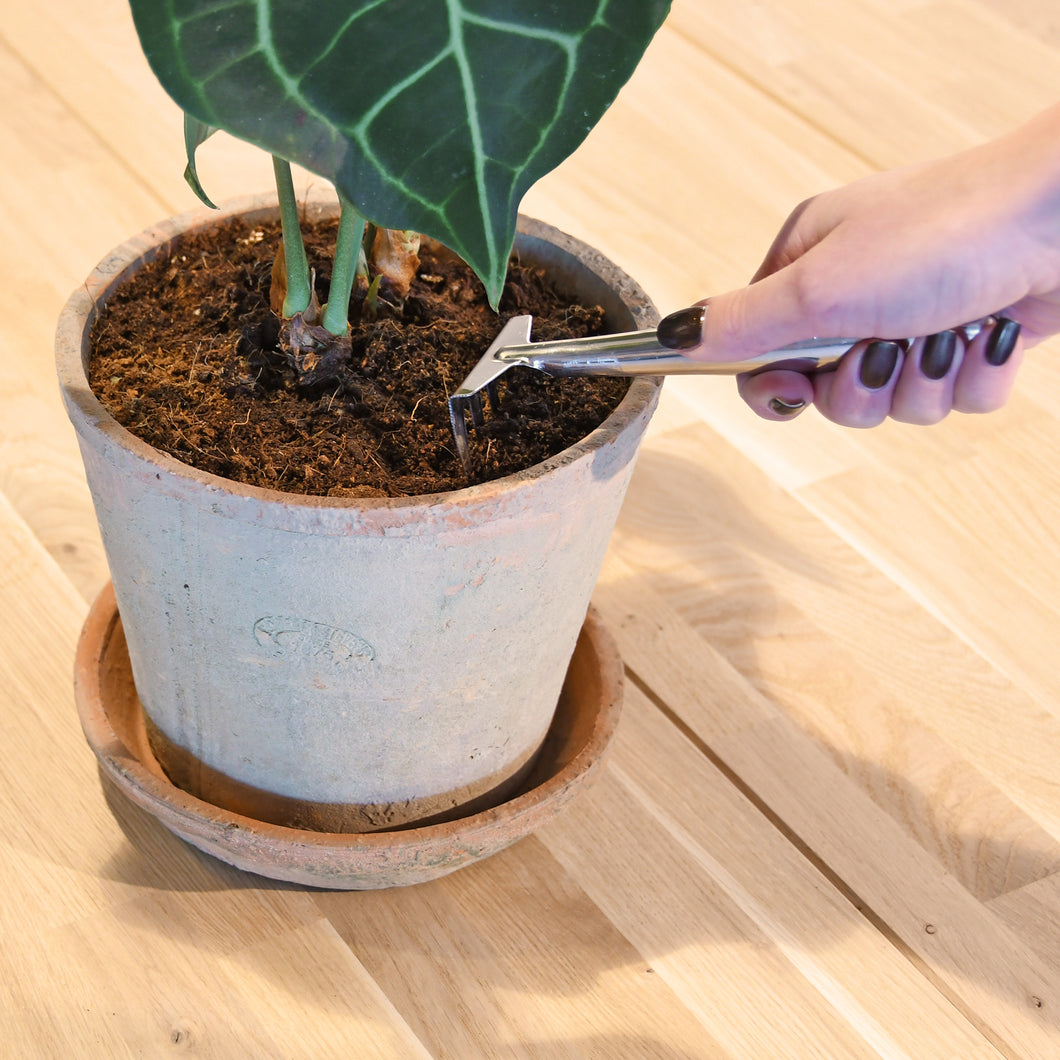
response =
{"points": [[578, 739], [351, 665]]}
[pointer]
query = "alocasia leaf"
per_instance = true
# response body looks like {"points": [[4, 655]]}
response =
{"points": [[430, 115], [195, 133]]}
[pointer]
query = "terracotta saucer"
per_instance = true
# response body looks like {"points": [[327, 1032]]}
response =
{"points": [[113, 722]]}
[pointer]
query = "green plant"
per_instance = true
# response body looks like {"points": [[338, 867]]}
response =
{"points": [[432, 116]]}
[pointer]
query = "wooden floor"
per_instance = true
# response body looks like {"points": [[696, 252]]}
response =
{"points": [[830, 825]]}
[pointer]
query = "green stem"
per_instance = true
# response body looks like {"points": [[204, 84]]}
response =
{"points": [[344, 269], [299, 293]]}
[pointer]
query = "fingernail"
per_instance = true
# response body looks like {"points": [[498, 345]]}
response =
{"points": [[682, 330], [1002, 341], [786, 408], [878, 364], [937, 358]]}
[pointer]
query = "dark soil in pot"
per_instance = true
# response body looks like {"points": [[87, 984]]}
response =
{"points": [[185, 356]]}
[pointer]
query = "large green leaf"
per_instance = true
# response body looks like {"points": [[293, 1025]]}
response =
{"points": [[432, 115]]}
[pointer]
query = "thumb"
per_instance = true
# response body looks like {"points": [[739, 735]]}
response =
{"points": [[743, 323]]}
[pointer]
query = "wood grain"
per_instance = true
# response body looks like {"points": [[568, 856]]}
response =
{"points": [[830, 823]]}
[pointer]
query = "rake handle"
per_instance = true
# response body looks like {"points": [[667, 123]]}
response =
{"points": [[641, 353]]}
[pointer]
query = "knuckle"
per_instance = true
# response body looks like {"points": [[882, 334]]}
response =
{"points": [[815, 294], [920, 417], [857, 418], [726, 320], [977, 403]]}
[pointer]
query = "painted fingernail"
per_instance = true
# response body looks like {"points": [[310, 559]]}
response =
{"points": [[786, 408], [878, 364], [1002, 341], [682, 330], [937, 358]]}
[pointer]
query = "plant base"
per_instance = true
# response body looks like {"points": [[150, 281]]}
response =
{"points": [[114, 725]]}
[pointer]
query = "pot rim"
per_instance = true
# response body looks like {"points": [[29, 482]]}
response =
{"points": [[72, 351]]}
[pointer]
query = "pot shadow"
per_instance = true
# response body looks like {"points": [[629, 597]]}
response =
{"points": [[541, 955], [759, 597], [154, 858], [799, 617]]}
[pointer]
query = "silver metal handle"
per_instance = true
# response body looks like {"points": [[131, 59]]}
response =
{"points": [[640, 353]]}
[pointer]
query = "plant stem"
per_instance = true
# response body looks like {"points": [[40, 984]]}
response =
{"points": [[344, 268], [299, 293]]}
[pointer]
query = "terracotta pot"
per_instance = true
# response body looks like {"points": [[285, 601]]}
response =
{"points": [[352, 665], [113, 721]]}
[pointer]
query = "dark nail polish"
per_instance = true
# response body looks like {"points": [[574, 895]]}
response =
{"points": [[937, 358], [878, 364], [682, 330], [786, 408], [1002, 341]]}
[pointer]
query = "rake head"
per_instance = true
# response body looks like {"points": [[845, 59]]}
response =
{"points": [[466, 400]]}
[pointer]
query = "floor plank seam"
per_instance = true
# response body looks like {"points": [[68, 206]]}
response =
{"points": [[940, 610], [822, 867]]}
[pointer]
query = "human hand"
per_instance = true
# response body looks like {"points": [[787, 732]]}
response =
{"points": [[910, 252]]}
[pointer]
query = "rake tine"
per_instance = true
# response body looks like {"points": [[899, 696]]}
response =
{"points": [[458, 407]]}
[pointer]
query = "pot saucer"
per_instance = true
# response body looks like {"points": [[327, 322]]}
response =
{"points": [[113, 721]]}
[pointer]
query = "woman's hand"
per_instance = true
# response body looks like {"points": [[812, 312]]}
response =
{"points": [[908, 254]]}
